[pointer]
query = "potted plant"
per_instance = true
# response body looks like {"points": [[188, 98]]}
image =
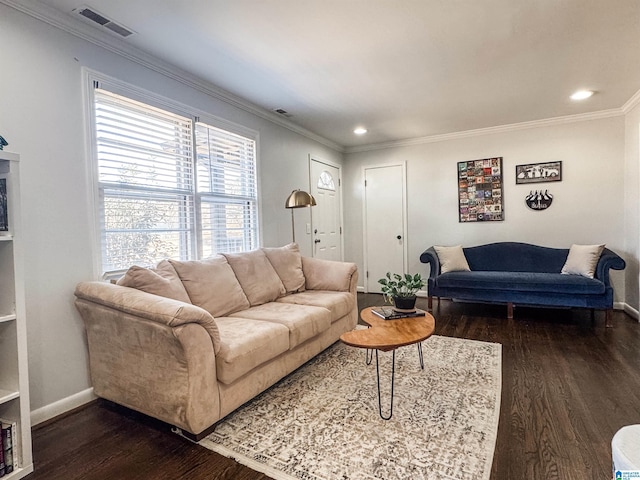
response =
{"points": [[400, 290]]}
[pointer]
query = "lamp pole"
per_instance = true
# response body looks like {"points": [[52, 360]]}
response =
{"points": [[298, 199], [293, 226]]}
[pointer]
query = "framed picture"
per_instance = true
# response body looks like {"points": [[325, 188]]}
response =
{"points": [[539, 172], [480, 190]]}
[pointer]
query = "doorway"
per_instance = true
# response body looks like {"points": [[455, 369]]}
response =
{"points": [[326, 216], [385, 227]]}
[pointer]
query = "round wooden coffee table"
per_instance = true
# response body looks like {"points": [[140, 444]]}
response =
{"points": [[388, 335]]}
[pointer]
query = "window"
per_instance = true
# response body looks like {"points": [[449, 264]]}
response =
{"points": [[226, 190], [325, 182], [160, 195]]}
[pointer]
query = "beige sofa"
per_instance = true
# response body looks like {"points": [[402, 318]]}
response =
{"points": [[189, 342]]}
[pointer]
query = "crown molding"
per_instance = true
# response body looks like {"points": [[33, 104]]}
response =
{"points": [[78, 29], [115, 45], [631, 103], [582, 117]]}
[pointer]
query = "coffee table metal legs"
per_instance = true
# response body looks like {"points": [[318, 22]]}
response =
{"points": [[393, 376]]}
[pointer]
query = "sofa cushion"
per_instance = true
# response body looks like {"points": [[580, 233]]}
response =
{"points": [[161, 280], [212, 285], [451, 259], [338, 303], [247, 343], [582, 260], [515, 257], [259, 280], [303, 321], [331, 275], [287, 263], [521, 281]]}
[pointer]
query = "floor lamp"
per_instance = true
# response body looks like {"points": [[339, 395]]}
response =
{"points": [[298, 199]]}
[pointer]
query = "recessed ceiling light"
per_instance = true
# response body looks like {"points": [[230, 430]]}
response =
{"points": [[360, 131], [581, 94]]}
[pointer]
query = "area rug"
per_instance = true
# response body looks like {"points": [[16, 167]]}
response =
{"points": [[322, 422]]}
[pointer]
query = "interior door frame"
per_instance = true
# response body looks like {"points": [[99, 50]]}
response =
{"points": [[313, 158], [405, 252]]}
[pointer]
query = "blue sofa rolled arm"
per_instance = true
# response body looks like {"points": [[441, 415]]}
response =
{"points": [[514, 273]]}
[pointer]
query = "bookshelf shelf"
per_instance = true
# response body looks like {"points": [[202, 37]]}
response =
{"points": [[7, 318], [19, 473], [7, 396], [14, 376]]}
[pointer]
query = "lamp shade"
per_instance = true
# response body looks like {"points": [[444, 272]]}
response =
{"points": [[299, 199]]}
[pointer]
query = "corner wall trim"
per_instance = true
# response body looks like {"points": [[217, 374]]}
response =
{"points": [[61, 406], [631, 103]]}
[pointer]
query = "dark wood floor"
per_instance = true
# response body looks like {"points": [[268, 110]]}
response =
{"points": [[568, 385]]}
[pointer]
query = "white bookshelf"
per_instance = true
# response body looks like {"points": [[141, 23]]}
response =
{"points": [[14, 375]]}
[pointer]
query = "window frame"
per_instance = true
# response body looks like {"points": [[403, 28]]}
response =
{"points": [[92, 79]]}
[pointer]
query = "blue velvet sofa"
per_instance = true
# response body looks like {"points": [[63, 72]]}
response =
{"points": [[522, 274]]}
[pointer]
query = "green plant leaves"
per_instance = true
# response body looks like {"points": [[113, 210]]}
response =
{"points": [[396, 285]]}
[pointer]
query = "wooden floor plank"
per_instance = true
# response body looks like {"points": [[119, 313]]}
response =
{"points": [[568, 384]]}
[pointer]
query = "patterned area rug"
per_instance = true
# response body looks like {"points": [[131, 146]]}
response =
{"points": [[322, 421]]}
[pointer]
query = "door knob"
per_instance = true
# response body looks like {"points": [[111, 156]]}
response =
{"points": [[399, 237], [317, 240]]}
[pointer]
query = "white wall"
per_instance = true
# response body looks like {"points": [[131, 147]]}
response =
{"points": [[41, 116], [587, 208], [631, 211]]}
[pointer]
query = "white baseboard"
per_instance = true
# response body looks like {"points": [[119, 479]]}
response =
{"points": [[61, 406], [628, 309], [360, 289]]}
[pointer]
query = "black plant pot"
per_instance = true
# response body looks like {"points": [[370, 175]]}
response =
{"points": [[405, 304]]}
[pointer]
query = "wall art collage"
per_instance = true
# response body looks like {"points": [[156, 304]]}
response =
{"points": [[480, 188]]}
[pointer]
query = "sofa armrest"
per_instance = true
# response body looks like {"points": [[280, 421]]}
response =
{"points": [[329, 275], [431, 257], [165, 311], [608, 260], [167, 372]]}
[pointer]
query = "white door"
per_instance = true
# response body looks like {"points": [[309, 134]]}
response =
{"points": [[384, 223], [325, 216]]}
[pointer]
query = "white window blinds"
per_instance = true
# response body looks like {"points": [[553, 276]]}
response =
{"points": [[227, 190], [150, 208]]}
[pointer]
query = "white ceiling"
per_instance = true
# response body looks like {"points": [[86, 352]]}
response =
{"points": [[401, 68]]}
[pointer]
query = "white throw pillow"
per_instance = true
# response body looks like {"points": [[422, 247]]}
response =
{"points": [[451, 259], [582, 260]]}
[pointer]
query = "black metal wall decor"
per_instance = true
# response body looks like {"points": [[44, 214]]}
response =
{"points": [[538, 200], [480, 190]]}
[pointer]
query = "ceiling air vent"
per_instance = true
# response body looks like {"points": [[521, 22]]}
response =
{"points": [[283, 112], [90, 14]]}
